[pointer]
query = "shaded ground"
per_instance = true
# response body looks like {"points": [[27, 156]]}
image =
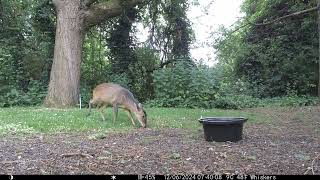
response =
{"points": [[290, 144]]}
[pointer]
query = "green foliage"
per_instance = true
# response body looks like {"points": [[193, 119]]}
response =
{"points": [[6, 68], [137, 78], [95, 67], [176, 16], [140, 80], [245, 101], [291, 101], [121, 79], [170, 29], [274, 65], [237, 95], [26, 52], [235, 102], [133, 65], [34, 95], [120, 41], [276, 58], [184, 86]]}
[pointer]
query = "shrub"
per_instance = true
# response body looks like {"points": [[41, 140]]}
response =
{"points": [[12, 96], [184, 86]]}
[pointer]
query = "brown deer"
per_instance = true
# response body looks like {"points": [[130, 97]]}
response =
{"points": [[110, 94]]}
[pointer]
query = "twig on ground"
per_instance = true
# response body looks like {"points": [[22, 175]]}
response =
{"points": [[312, 165], [77, 154], [16, 161]]}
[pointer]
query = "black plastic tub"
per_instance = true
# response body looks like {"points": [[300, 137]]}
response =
{"points": [[223, 129]]}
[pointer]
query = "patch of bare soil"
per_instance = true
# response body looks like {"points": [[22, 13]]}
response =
{"points": [[288, 145]]}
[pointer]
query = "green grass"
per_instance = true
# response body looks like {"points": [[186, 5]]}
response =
{"points": [[21, 120]]}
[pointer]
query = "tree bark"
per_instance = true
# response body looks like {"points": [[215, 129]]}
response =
{"points": [[319, 50], [98, 13], [65, 73], [74, 18]]}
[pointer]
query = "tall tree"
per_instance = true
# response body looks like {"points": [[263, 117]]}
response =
{"points": [[180, 30], [171, 32], [120, 42], [318, 4], [74, 19]]}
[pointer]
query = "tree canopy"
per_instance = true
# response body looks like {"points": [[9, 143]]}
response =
{"points": [[259, 57], [277, 58]]}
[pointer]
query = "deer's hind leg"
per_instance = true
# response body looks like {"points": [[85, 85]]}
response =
{"points": [[101, 108]]}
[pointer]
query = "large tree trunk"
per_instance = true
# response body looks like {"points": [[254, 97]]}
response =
{"points": [[65, 73], [319, 49], [74, 18]]}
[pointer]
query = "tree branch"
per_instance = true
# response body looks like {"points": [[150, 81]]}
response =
{"points": [[287, 16], [56, 3], [161, 65], [98, 13], [88, 2], [318, 3], [278, 19]]}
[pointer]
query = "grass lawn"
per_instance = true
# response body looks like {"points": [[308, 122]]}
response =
{"points": [[21, 120]]}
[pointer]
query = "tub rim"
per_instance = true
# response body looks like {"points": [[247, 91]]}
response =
{"points": [[222, 120]]}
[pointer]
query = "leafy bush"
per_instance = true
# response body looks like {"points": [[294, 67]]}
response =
{"points": [[140, 73], [291, 101], [274, 58], [121, 79], [238, 95], [235, 102], [245, 101], [184, 86], [12, 96]]}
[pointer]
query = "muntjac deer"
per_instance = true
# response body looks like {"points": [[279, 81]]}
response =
{"points": [[110, 94]]}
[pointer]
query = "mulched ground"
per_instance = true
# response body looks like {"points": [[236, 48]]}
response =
{"points": [[288, 145]]}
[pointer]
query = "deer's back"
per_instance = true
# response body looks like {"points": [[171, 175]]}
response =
{"points": [[109, 93]]}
